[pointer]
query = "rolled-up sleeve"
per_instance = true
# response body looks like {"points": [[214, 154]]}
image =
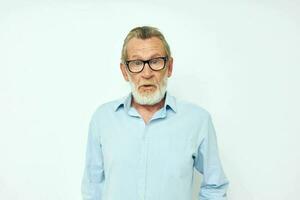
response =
{"points": [[214, 183], [93, 177]]}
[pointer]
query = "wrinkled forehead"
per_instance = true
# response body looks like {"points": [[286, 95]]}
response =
{"points": [[145, 48]]}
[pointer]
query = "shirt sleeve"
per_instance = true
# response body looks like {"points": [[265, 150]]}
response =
{"points": [[214, 183], [93, 177]]}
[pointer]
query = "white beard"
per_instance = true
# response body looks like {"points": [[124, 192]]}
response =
{"points": [[149, 98]]}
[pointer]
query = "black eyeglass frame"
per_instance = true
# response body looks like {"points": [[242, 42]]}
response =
{"points": [[165, 58]]}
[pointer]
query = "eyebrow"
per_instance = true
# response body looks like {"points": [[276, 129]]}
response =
{"points": [[152, 56]]}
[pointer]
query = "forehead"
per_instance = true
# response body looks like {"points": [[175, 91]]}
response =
{"points": [[145, 48]]}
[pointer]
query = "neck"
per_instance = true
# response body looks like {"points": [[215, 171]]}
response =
{"points": [[147, 111], [148, 108]]}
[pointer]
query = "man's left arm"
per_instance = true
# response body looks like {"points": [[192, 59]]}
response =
{"points": [[214, 183]]}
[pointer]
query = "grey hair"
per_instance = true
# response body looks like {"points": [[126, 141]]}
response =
{"points": [[144, 32]]}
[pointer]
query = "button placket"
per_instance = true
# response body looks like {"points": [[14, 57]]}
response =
{"points": [[143, 163]]}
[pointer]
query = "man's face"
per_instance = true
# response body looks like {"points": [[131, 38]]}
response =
{"points": [[148, 86]]}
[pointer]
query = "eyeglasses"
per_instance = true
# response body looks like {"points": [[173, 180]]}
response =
{"points": [[156, 64]]}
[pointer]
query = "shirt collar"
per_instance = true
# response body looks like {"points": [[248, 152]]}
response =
{"points": [[125, 102]]}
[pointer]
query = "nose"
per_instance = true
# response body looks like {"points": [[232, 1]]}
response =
{"points": [[147, 71]]}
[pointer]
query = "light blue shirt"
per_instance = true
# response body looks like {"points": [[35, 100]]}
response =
{"points": [[127, 159]]}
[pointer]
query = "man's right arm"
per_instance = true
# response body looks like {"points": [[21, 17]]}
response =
{"points": [[93, 177]]}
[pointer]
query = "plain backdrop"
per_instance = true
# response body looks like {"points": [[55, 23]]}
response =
{"points": [[59, 60]]}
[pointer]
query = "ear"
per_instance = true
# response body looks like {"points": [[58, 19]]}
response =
{"points": [[124, 71], [170, 66]]}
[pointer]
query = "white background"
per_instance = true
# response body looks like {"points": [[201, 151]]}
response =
{"points": [[59, 60]]}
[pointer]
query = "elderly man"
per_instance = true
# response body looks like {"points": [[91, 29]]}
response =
{"points": [[145, 146]]}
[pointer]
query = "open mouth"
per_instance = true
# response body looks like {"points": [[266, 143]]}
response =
{"points": [[148, 86]]}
